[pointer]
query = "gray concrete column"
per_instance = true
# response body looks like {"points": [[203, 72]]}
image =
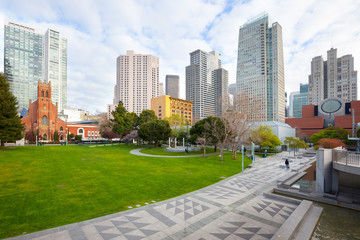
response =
{"points": [[324, 170]]}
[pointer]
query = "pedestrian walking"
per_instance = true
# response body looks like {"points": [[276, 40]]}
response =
{"points": [[287, 163]]}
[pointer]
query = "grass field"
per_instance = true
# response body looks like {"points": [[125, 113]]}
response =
{"points": [[49, 186]]}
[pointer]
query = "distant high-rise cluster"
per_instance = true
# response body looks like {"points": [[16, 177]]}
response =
{"points": [[31, 54], [172, 86], [206, 84], [334, 78], [260, 69], [137, 81]]}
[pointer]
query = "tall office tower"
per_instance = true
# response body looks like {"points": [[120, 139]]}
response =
{"points": [[334, 78], [297, 100], [316, 81], [55, 62], [260, 69], [172, 86], [220, 79], [137, 81], [161, 89], [203, 77], [31, 54]]}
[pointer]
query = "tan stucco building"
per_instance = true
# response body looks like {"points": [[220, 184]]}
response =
{"points": [[166, 106]]}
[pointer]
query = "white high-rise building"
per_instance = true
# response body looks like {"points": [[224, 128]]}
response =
{"points": [[334, 78], [31, 54], [206, 84], [260, 69], [137, 81]]}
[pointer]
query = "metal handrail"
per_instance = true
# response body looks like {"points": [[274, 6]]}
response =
{"points": [[346, 157]]}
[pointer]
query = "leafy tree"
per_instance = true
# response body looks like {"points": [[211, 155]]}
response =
{"points": [[122, 120], [147, 116], [133, 118], [56, 136], [330, 143], [295, 143], [331, 132], [176, 123], [159, 130], [264, 137], [10, 124], [199, 130]]}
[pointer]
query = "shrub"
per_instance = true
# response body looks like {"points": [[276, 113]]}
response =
{"points": [[78, 137], [331, 143]]}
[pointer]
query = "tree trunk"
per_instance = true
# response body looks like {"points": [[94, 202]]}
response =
{"points": [[2, 143], [204, 151], [215, 148], [221, 154], [235, 155]]}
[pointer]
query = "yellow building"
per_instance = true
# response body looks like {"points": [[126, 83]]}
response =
{"points": [[166, 106]]}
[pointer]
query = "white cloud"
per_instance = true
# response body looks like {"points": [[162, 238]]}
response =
{"points": [[99, 31]]}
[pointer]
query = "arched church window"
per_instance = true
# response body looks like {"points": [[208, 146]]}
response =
{"points": [[81, 131], [42, 93], [47, 94], [61, 129], [45, 137], [44, 120]]}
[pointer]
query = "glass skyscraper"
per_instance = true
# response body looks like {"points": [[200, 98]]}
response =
{"points": [[297, 100], [260, 69], [31, 54]]}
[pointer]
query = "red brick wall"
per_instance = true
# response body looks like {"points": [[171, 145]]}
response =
{"points": [[73, 128], [308, 111]]}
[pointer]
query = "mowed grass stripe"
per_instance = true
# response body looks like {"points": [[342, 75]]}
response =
{"points": [[50, 186]]}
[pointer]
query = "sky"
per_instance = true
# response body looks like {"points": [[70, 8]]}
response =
{"points": [[100, 31]]}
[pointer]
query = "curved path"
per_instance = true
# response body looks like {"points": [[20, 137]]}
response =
{"points": [[138, 153], [238, 207]]}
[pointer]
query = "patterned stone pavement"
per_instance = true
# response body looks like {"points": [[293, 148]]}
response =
{"points": [[234, 208]]}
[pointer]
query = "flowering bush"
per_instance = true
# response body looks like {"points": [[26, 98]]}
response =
{"points": [[331, 143]]}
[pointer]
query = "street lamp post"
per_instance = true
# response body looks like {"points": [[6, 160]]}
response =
{"points": [[150, 135], [187, 132]]}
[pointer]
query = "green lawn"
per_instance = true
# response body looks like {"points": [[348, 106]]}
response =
{"points": [[161, 151], [49, 186]]}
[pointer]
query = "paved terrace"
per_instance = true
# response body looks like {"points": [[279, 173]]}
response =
{"points": [[239, 207]]}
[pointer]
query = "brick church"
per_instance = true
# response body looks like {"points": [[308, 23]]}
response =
{"points": [[42, 118]]}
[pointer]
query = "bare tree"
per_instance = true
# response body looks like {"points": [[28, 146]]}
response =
{"points": [[202, 142], [238, 121]]}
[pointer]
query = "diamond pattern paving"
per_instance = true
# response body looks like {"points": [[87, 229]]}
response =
{"points": [[128, 226], [186, 208]]}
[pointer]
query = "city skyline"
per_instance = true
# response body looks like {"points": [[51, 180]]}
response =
{"points": [[98, 33]]}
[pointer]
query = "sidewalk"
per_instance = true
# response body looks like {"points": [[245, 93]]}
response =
{"points": [[238, 207]]}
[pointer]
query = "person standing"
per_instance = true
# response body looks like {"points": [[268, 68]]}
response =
{"points": [[287, 163]]}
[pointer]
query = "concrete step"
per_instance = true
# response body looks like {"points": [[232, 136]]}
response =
{"points": [[289, 227], [308, 224], [294, 178]]}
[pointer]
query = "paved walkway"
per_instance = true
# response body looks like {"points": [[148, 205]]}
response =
{"points": [[235, 208], [137, 152]]}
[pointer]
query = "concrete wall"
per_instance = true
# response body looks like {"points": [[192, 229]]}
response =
{"points": [[324, 170]]}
